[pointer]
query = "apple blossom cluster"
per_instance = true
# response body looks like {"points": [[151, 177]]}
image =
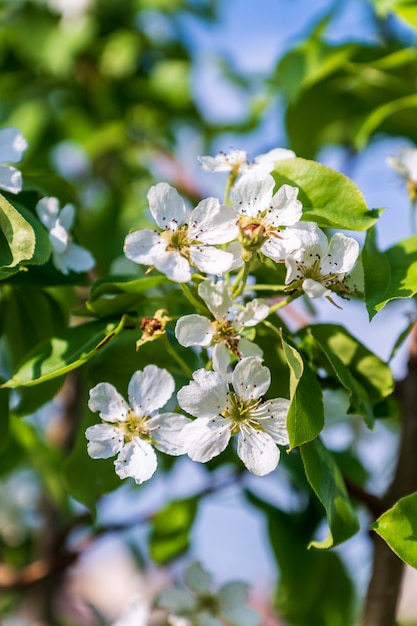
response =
{"points": [[209, 251], [195, 602]]}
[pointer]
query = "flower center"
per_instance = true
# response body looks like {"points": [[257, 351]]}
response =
{"points": [[227, 333], [178, 240], [135, 426], [239, 412]]}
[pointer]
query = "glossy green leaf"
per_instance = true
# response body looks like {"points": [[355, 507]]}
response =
{"points": [[390, 274], [368, 379], [170, 533], [326, 479], [18, 235], [305, 418], [109, 297], [63, 353], [398, 527], [314, 587], [328, 197], [42, 249]]}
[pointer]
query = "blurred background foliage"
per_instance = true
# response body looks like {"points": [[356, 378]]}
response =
{"points": [[102, 94]]}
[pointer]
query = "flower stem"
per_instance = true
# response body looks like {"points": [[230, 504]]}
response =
{"points": [[241, 279], [281, 304], [172, 352], [192, 299], [230, 182]]}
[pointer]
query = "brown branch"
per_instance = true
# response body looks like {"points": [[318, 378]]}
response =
{"points": [[384, 588]]}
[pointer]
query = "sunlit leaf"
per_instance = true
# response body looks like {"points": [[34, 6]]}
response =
{"points": [[398, 527], [63, 353], [328, 197], [305, 418], [326, 479], [390, 274], [170, 533], [18, 234]]}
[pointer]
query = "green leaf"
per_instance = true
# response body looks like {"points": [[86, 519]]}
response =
{"points": [[379, 115], [42, 250], [305, 418], [319, 578], [109, 297], [398, 527], [328, 197], [389, 275], [63, 353], [326, 479], [18, 234], [170, 534], [368, 379], [4, 417]]}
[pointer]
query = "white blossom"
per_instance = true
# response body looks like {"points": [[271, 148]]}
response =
{"points": [[405, 163], [236, 161], [12, 147], [136, 614], [265, 216], [224, 331], [318, 266], [231, 161], [66, 255], [200, 604], [224, 410], [187, 239], [131, 430]]}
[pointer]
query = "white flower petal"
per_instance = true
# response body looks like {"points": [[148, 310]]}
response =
{"points": [[233, 594], [217, 297], [405, 163], [47, 210], [110, 405], [212, 222], [150, 390], [10, 179], [314, 289], [221, 361], [12, 145], [194, 330], [204, 618], [197, 579], [137, 460], [176, 599], [248, 348], [276, 154], [341, 256], [206, 437], [258, 451], [136, 614], [210, 260], [250, 378], [59, 237], [104, 441], [252, 194], [284, 208], [236, 250], [242, 616], [205, 396], [173, 265], [142, 245], [253, 313], [75, 258], [272, 417], [167, 206], [223, 162], [167, 432], [67, 216]]}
